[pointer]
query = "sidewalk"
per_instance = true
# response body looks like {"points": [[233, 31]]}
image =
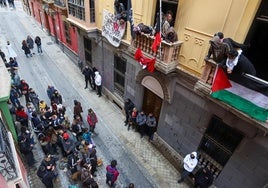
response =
{"points": [[156, 168]]}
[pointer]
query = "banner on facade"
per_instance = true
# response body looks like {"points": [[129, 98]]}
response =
{"points": [[113, 29]]}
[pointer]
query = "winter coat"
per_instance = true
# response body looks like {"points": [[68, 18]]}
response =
{"points": [[189, 163], [97, 78], [26, 49], [92, 119], [37, 41], [218, 50], [11, 52], [30, 42], [112, 173], [141, 119]]}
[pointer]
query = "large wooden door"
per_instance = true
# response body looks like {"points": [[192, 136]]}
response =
{"points": [[151, 103]]}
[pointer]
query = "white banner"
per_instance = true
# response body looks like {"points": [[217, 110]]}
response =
{"points": [[112, 29]]}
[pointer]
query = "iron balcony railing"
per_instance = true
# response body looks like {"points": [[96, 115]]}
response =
{"points": [[7, 163]]}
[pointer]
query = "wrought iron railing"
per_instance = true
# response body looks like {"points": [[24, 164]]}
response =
{"points": [[7, 163]]}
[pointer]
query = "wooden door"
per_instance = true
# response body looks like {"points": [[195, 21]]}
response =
{"points": [[151, 103]]}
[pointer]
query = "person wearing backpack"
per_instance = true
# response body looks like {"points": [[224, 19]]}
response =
{"points": [[112, 173]]}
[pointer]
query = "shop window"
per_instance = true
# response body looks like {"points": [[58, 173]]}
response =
{"points": [[88, 51], [119, 75], [67, 33], [217, 145]]}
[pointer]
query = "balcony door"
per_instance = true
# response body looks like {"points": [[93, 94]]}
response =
{"points": [[151, 103], [257, 38]]}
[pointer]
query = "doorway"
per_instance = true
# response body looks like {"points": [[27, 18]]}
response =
{"points": [[257, 38], [217, 145], [151, 103]]}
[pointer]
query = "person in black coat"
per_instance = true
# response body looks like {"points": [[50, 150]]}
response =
{"points": [[128, 107], [46, 176], [87, 72], [203, 178], [238, 64]]}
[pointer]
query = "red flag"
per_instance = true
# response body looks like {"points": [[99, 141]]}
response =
{"points": [[150, 65], [138, 54], [157, 41], [146, 62], [220, 80]]}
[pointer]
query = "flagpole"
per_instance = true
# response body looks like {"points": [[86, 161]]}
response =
{"points": [[160, 20]]}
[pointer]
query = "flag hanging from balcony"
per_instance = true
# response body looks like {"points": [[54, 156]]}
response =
{"points": [[248, 101], [130, 17], [144, 61], [220, 80], [157, 39]]}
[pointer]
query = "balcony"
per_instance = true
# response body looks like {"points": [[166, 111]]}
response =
{"points": [[167, 60], [7, 161], [248, 88], [60, 3]]}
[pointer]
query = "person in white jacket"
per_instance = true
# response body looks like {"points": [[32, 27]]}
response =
{"points": [[189, 164], [11, 51], [98, 82]]}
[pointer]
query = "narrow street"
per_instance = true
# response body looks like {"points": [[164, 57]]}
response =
{"points": [[138, 161]]}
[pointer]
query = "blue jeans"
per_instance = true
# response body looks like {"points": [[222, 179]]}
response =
{"points": [[39, 49]]}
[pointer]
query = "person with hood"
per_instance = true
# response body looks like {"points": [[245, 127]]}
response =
{"points": [[218, 50], [38, 43], [98, 82], [189, 164]]}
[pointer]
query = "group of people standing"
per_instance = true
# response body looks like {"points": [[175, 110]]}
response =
{"points": [[229, 55], [28, 46], [93, 78], [138, 120]]}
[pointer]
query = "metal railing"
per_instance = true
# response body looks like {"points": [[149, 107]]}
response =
{"points": [[7, 163]]}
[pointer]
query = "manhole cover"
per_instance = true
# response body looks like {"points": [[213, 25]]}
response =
{"points": [[49, 43]]}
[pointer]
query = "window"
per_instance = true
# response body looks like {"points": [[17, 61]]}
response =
{"points": [[218, 144], [88, 51], [168, 5], [67, 33], [119, 75], [92, 11], [76, 8]]}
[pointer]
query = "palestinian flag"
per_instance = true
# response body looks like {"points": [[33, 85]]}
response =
{"points": [[248, 101]]}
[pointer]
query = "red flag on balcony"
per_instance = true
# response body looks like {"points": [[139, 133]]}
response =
{"points": [[220, 80], [157, 41], [144, 61]]}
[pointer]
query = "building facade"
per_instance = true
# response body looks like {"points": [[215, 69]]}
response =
{"points": [[12, 170], [231, 143]]}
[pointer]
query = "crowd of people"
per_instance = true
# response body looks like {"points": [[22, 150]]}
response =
{"points": [[46, 122]]}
